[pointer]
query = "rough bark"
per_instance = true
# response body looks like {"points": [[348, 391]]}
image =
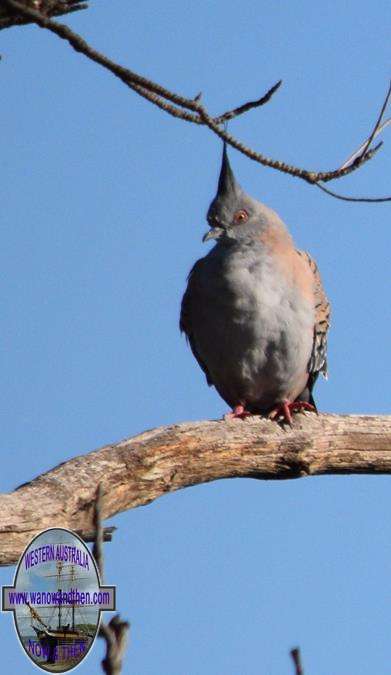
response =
{"points": [[137, 470]]}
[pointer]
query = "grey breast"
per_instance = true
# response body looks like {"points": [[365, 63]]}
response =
{"points": [[251, 328]]}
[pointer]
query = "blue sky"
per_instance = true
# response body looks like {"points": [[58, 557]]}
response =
{"points": [[103, 210]]}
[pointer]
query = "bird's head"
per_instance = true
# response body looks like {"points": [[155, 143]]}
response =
{"points": [[233, 214]]}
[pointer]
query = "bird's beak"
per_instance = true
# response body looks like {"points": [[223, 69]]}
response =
{"points": [[213, 233]]}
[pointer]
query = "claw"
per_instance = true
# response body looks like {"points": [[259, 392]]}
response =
{"points": [[285, 410], [239, 412]]}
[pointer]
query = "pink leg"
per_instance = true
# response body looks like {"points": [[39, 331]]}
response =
{"points": [[285, 410], [239, 412]]}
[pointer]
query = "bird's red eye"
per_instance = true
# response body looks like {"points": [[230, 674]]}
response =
{"points": [[240, 216]]}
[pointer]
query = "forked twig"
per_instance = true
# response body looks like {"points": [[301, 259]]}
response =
{"points": [[360, 150], [115, 633], [375, 131]]}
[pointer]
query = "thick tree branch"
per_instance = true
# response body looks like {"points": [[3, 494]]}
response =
{"points": [[191, 109], [138, 470]]}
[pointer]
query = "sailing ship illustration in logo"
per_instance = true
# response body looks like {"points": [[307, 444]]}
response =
{"points": [[57, 599], [70, 637]]}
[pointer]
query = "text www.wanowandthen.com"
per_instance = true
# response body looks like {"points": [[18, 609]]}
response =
{"points": [[55, 598]]}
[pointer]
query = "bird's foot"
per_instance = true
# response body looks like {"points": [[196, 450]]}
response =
{"points": [[285, 410], [239, 412]]}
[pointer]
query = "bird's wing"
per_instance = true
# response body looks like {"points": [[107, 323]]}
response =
{"points": [[185, 321], [318, 360]]}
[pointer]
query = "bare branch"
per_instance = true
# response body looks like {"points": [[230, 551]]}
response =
{"points": [[189, 109], [145, 87], [295, 654], [129, 77], [138, 470]]}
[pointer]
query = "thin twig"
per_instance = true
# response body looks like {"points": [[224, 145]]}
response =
{"points": [[115, 633], [90, 536], [378, 122], [359, 150], [352, 199], [97, 549], [225, 117], [295, 654]]}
